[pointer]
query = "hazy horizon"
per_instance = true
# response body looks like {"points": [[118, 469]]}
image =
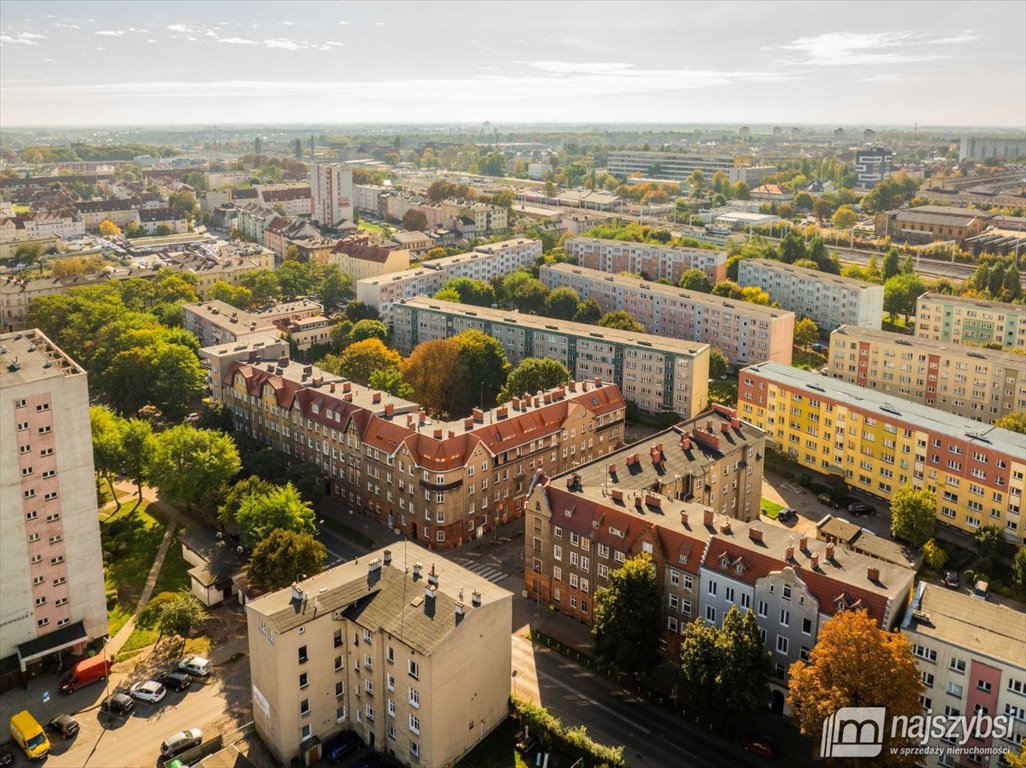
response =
{"points": [[159, 63]]}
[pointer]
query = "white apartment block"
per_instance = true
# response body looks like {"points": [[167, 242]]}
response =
{"points": [[970, 655], [651, 260], [483, 263], [51, 565], [966, 320], [973, 382], [331, 193], [678, 166], [295, 199], [657, 373], [488, 219], [743, 331], [404, 647], [828, 300], [365, 196]]}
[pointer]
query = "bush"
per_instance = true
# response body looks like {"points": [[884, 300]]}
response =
{"points": [[575, 742]]}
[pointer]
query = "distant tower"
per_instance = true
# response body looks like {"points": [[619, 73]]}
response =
{"points": [[795, 132], [868, 136], [745, 133], [777, 132]]}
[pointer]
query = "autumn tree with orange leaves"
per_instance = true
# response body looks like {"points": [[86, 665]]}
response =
{"points": [[856, 664]]}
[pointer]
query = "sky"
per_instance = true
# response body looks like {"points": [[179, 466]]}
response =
{"points": [[798, 63]]}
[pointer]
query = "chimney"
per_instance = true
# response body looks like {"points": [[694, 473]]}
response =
{"points": [[348, 397], [417, 567], [433, 577], [830, 550], [803, 542], [815, 560], [477, 414], [598, 381], [388, 557], [409, 421], [374, 565], [421, 418], [331, 387], [725, 527], [572, 385], [515, 402], [709, 427], [501, 413], [789, 553], [437, 434], [429, 599], [683, 519], [873, 574], [347, 386], [685, 444], [708, 517], [468, 424], [459, 612], [376, 397], [735, 423], [451, 434], [475, 599], [755, 534], [389, 408], [612, 469], [725, 428]]}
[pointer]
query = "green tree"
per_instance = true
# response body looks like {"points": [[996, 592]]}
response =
{"points": [[934, 556], [728, 289], [1016, 422], [588, 311], [336, 287], [913, 513], [717, 363], [297, 149], [138, 444], [532, 374], [178, 614], [900, 294], [29, 254], [238, 296], [629, 617], [791, 247], [280, 508], [227, 512], [1019, 567], [562, 303], [806, 333], [700, 663], [482, 371], [988, 541], [183, 203], [360, 359], [621, 320], [263, 285], [891, 263], [696, 280], [524, 292], [391, 380], [844, 217], [470, 291], [107, 458], [357, 311], [745, 667], [414, 220], [295, 278], [285, 556], [822, 209], [190, 465]]}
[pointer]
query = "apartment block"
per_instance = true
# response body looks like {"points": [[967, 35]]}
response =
{"points": [[657, 373], [828, 300], [678, 166], [215, 322], [404, 647], [487, 219], [585, 523], [331, 193], [483, 263], [359, 258], [438, 482], [650, 260], [877, 442], [51, 564], [294, 199], [123, 213], [970, 654], [972, 382], [743, 331], [965, 320], [872, 165]]}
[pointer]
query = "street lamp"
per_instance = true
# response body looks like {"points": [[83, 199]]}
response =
{"points": [[106, 667]]}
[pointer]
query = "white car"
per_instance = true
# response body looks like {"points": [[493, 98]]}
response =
{"points": [[150, 691], [177, 743], [195, 665]]}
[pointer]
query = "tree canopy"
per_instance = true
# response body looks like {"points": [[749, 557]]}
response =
{"points": [[696, 280], [913, 512], [532, 374], [284, 556], [280, 507], [621, 320], [190, 465], [629, 617], [361, 359]]}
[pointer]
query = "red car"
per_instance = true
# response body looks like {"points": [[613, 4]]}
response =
{"points": [[759, 745]]}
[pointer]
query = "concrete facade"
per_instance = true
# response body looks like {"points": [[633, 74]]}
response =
{"points": [[648, 259], [331, 192], [964, 320]]}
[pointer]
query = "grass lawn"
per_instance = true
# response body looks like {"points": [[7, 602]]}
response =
{"points": [[349, 534], [807, 359], [898, 326], [370, 226], [498, 750], [175, 573], [130, 544], [770, 508], [723, 392]]}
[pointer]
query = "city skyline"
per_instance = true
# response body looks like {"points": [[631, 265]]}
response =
{"points": [[162, 63]]}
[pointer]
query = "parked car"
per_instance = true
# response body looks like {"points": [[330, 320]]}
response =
{"points": [[340, 746], [786, 514], [830, 501], [952, 580], [859, 509], [86, 672], [176, 681], [65, 725], [118, 704], [526, 744], [150, 691], [196, 666], [6, 758], [759, 745], [179, 742], [980, 590]]}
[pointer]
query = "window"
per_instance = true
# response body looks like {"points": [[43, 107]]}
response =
{"points": [[807, 626], [369, 712], [983, 685], [340, 713], [954, 689], [302, 655], [787, 592], [415, 724], [304, 680], [304, 707], [785, 618], [340, 689], [338, 637], [710, 614], [928, 679], [782, 644], [414, 749], [763, 609], [414, 669], [414, 697], [305, 732], [390, 681], [338, 663], [366, 635], [711, 588], [390, 655], [368, 662], [390, 707], [956, 665], [924, 653]]}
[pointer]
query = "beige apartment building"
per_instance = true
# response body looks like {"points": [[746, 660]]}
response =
{"points": [[216, 322], [973, 382], [229, 263], [358, 258], [51, 565], [657, 373], [828, 300], [487, 219], [965, 320], [743, 331], [404, 647], [651, 260], [439, 482]]}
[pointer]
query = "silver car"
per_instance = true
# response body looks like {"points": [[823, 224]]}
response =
{"points": [[179, 742], [196, 666]]}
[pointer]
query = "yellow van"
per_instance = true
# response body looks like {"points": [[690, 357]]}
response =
{"points": [[29, 735]]}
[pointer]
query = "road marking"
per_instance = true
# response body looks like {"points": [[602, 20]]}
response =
{"points": [[574, 691], [494, 575]]}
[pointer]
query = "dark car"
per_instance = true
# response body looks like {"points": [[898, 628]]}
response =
{"points": [[952, 580], [176, 681], [118, 704], [759, 745], [340, 746], [6, 758], [860, 509], [830, 501], [786, 514], [368, 761], [65, 725]]}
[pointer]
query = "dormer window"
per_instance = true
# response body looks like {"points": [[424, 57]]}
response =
{"points": [[683, 559], [724, 561], [740, 568]]}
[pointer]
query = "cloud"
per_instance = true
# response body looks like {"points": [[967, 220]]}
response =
{"points": [[112, 32], [578, 67], [101, 48], [151, 40], [835, 49], [19, 39], [237, 41], [31, 36], [178, 28], [285, 44], [62, 25], [342, 23]]}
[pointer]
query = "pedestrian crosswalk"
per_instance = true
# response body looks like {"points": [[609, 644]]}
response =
{"points": [[483, 570]]}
